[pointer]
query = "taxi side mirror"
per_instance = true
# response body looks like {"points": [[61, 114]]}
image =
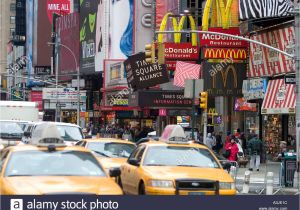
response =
{"points": [[114, 172], [27, 134], [226, 165], [133, 161]]}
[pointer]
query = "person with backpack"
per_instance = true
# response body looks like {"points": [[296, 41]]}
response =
{"points": [[255, 148]]}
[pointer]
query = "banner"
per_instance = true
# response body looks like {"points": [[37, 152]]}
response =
{"points": [[254, 88], [242, 105], [224, 78], [141, 74], [267, 62]]}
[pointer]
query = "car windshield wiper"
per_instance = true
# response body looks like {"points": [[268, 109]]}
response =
{"points": [[186, 165], [12, 175], [155, 164], [101, 153]]}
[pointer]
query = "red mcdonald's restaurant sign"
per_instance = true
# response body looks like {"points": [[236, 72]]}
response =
{"points": [[182, 51], [213, 40], [222, 53]]}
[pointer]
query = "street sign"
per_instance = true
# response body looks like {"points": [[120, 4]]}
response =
{"points": [[61, 105], [290, 79]]}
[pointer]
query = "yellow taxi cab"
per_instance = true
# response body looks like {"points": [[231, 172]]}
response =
{"points": [[173, 166], [48, 166], [110, 152]]}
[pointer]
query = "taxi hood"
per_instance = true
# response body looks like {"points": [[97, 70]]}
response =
{"points": [[37, 185], [181, 172]]}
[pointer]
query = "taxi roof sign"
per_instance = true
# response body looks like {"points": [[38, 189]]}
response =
{"points": [[47, 134], [173, 133]]}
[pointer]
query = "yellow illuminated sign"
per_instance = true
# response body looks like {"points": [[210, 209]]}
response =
{"points": [[177, 27], [224, 75], [220, 12]]}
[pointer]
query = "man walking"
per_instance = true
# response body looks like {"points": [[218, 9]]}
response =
{"points": [[255, 148]]}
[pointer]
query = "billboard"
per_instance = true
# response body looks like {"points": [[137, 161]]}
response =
{"points": [[88, 17], [254, 88], [102, 34], [163, 7], [250, 9], [67, 28], [143, 24], [141, 74], [61, 7], [242, 105], [121, 29], [225, 78], [222, 53]]}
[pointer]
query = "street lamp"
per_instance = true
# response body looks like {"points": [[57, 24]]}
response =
{"points": [[78, 77]]}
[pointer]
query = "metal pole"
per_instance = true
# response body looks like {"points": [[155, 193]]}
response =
{"points": [[297, 63], [78, 92], [228, 35], [193, 110], [204, 126], [57, 111]]}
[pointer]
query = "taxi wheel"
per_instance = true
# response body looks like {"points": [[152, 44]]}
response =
{"points": [[142, 189]]}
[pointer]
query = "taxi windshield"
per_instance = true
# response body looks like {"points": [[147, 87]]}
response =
{"points": [[111, 149], [10, 130], [70, 133], [58, 163], [179, 156]]}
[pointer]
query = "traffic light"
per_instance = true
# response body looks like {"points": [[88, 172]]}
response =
{"points": [[150, 53], [203, 100], [161, 53]]}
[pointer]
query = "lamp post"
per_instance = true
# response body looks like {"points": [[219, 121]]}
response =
{"points": [[78, 77]]}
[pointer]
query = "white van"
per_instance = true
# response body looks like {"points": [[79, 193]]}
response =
{"points": [[19, 110]]}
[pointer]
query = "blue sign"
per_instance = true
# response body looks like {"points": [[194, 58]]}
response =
{"points": [[254, 88]]}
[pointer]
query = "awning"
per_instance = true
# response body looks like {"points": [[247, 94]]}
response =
{"points": [[280, 98]]}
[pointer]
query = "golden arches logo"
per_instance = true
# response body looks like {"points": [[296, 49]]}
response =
{"points": [[224, 75], [225, 53], [177, 27], [217, 8]]}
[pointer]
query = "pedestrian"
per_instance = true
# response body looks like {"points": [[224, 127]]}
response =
{"points": [[200, 138], [238, 133], [210, 141], [219, 142], [243, 141], [255, 148], [231, 148]]}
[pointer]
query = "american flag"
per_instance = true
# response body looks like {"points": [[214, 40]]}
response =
{"points": [[185, 71]]}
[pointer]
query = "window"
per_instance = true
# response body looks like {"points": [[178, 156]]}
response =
{"points": [[12, 32], [12, 7], [12, 19], [3, 158]]}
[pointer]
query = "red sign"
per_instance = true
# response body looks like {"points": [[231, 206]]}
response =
{"points": [[171, 65], [61, 7], [242, 105], [182, 51], [213, 40], [68, 29], [162, 112], [37, 96], [233, 53]]}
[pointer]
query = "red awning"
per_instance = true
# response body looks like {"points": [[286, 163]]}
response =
{"points": [[280, 98]]}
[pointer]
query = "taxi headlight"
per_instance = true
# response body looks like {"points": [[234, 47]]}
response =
{"points": [[226, 185], [161, 183]]}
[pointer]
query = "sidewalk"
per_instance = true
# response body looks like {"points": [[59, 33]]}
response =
{"points": [[257, 178]]}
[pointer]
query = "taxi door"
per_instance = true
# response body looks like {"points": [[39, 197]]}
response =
{"points": [[130, 176]]}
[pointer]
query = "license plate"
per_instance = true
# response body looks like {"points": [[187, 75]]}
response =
{"points": [[196, 193]]}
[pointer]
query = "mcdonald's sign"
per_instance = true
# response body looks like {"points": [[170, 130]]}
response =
{"points": [[222, 53], [224, 78], [212, 40], [220, 13], [177, 27], [183, 51]]}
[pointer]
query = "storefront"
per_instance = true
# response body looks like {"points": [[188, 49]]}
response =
{"points": [[278, 108]]}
